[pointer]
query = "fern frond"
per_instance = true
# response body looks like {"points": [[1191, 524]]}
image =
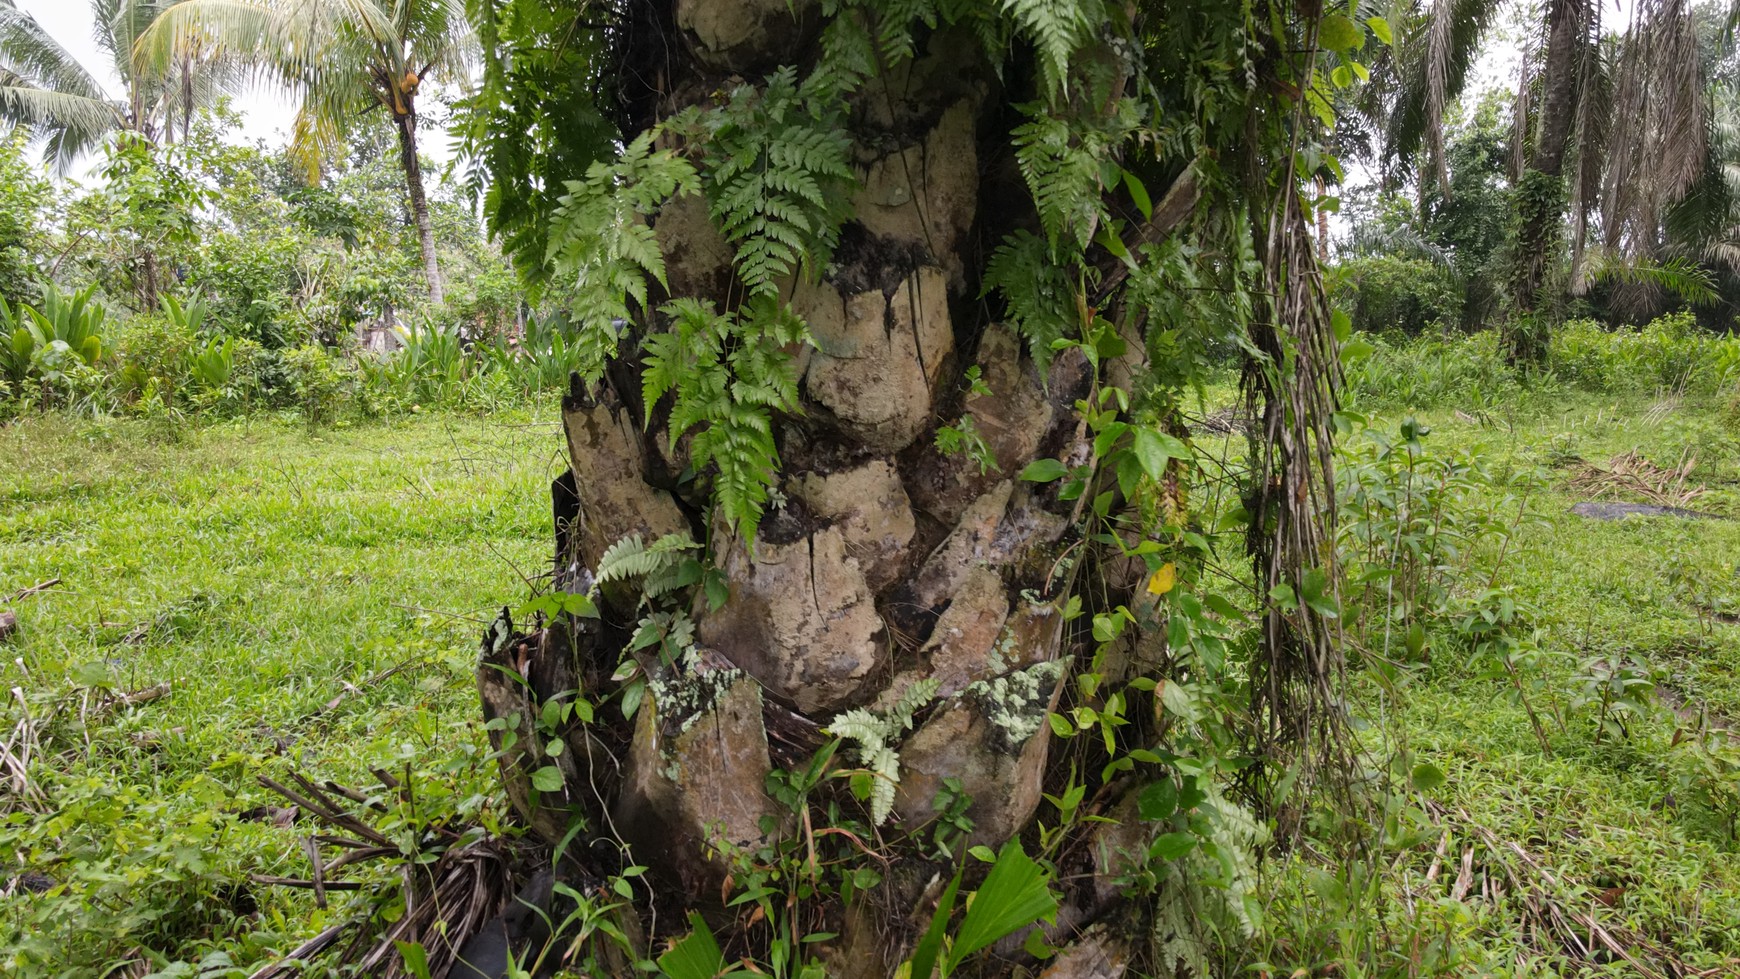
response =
{"points": [[631, 557], [872, 734], [599, 238], [781, 182], [1057, 28], [1036, 293], [915, 698]]}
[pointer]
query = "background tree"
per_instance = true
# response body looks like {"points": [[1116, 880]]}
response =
{"points": [[343, 59], [45, 89]]}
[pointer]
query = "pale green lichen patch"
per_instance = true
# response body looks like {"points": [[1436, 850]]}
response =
{"points": [[1016, 703], [683, 699]]}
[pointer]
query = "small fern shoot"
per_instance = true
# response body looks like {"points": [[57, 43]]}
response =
{"points": [[632, 557], [1037, 296], [874, 733], [778, 176], [728, 375]]}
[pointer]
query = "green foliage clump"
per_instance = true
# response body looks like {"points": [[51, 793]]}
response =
{"points": [[728, 374], [1671, 353], [318, 382], [25, 197], [1393, 294], [1466, 371]]}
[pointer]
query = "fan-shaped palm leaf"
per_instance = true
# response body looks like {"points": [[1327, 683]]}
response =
{"points": [[44, 89]]}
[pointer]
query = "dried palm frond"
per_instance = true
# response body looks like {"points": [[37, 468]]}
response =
{"points": [[1290, 384], [1630, 474], [447, 898]]}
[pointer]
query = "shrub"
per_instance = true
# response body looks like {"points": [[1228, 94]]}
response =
{"points": [[1468, 371], [51, 352], [1672, 352], [317, 382], [151, 353], [1389, 294], [431, 367]]}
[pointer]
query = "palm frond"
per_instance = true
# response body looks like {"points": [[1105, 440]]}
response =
{"points": [[1435, 52], [1682, 277], [337, 56], [45, 91]]}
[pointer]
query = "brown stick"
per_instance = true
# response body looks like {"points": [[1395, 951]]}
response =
{"points": [[36, 589], [331, 885], [301, 953]]}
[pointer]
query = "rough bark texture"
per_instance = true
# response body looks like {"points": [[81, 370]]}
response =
{"points": [[1540, 189], [407, 129], [887, 563], [883, 561]]}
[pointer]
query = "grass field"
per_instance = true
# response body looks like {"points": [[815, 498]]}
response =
{"points": [[1632, 829], [266, 572]]}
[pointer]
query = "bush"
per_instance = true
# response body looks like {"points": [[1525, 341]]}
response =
{"points": [[317, 381], [1388, 294], [1468, 371], [152, 352], [1672, 352]]}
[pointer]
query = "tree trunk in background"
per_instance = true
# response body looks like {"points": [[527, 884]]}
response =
{"points": [[1540, 190], [407, 127]]}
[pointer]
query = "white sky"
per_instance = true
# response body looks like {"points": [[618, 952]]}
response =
{"points": [[266, 114]]}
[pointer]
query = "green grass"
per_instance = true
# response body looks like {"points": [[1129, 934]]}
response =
{"points": [[263, 572], [1624, 818]]}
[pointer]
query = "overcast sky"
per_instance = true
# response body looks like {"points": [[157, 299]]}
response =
{"points": [[266, 114]]}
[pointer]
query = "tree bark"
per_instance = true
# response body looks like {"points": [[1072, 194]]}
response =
{"points": [[883, 562], [1539, 193], [407, 127]]}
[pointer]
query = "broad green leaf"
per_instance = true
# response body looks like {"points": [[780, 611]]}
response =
{"points": [[1171, 846], [416, 959], [1158, 800], [547, 779], [1043, 471], [696, 956], [1337, 33], [1014, 895], [1153, 448], [1139, 194], [1380, 28], [1342, 324], [1427, 776]]}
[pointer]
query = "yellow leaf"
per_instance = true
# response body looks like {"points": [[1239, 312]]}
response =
{"points": [[1162, 580]]}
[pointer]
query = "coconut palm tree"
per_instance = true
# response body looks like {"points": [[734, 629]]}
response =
{"points": [[343, 57], [46, 90]]}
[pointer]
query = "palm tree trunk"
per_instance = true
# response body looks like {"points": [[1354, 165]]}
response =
{"points": [[407, 126], [1540, 191]]}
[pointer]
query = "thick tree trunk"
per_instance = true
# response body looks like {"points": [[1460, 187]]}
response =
{"points": [[407, 127], [1540, 190], [887, 563], [882, 564]]}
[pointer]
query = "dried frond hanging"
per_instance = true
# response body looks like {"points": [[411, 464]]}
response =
{"points": [[1290, 396]]}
